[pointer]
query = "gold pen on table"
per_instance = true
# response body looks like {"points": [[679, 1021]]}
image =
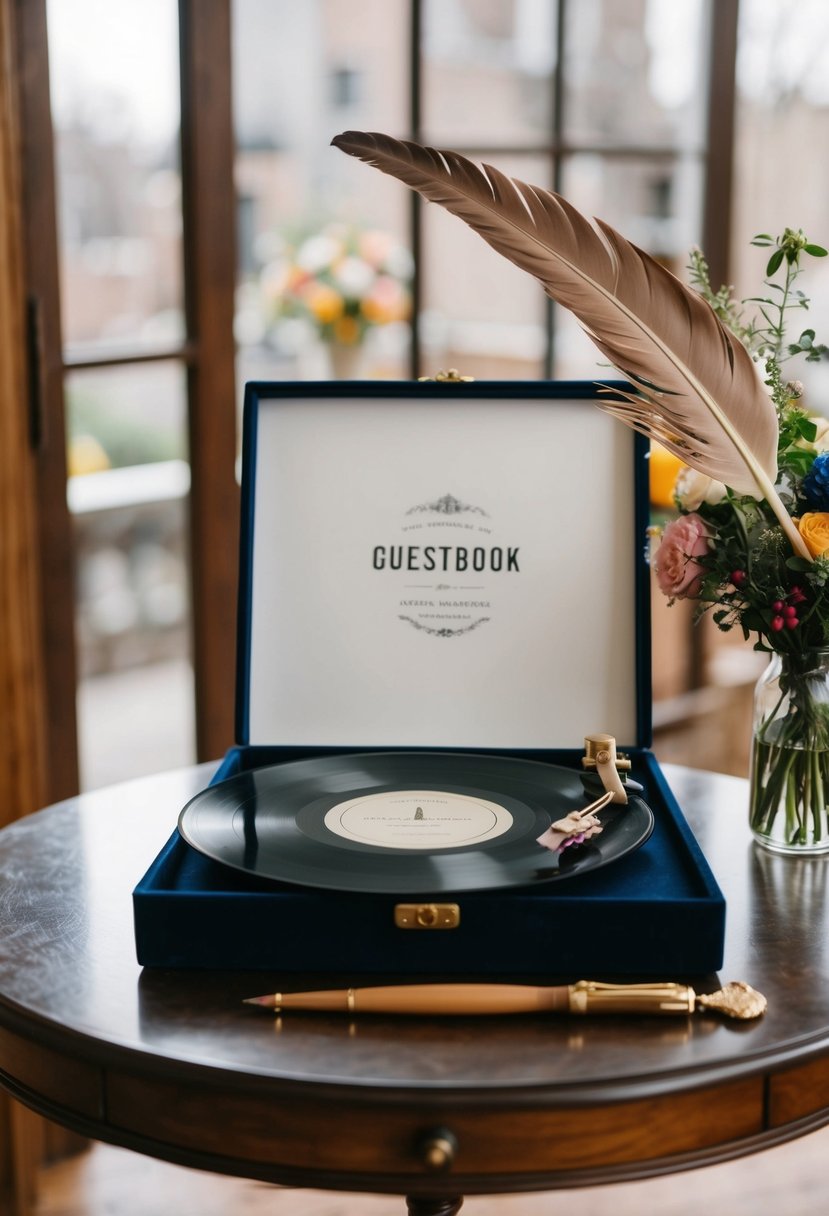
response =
{"points": [[736, 1000]]}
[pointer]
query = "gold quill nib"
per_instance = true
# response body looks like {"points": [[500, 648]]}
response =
{"points": [[736, 1000]]}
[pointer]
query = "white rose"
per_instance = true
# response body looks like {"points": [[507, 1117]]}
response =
{"points": [[318, 252], [353, 276], [693, 488]]}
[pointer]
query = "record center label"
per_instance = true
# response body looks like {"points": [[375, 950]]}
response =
{"points": [[418, 819]]}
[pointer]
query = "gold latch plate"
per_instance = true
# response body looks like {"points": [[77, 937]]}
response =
{"points": [[427, 916]]}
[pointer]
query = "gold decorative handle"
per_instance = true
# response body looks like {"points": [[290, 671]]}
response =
{"points": [[437, 1149], [590, 997]]}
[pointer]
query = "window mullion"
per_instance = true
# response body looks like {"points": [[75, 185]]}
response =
{"points": [[55, 544], [719, 165], [557, 133], [210, 273], [415, 202]]}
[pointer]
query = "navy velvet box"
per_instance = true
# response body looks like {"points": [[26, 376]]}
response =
{"points": [[537, 635], [659, 913]]}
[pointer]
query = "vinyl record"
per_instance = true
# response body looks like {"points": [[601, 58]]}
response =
{"points": [[400, 823]]}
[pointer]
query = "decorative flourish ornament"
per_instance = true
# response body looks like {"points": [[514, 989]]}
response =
{"points": [[735, 1000]]}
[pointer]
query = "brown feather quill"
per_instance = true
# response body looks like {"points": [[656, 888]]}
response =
{"points": [[694, 388]]}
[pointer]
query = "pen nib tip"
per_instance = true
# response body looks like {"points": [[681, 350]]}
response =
{"points": [[258, 1000]]}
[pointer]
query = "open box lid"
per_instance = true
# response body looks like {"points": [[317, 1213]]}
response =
{"points": [[441, 565]]}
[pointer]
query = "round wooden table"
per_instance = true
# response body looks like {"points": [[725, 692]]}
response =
{"points": [[171, 1064]]}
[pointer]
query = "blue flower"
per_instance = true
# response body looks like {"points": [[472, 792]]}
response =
{"points": [[816, 483]]}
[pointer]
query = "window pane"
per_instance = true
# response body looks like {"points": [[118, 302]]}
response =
{"points": [[128, 415], [128, 502], [317, 228], [635, 72], [656, 203], [781, 176], [487, 71], [482, 315], [116, 112]]}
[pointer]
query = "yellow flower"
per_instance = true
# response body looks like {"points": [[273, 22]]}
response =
{"points": [[375, 312], [814, 528], [387, 301], [664, 468], [324, 303], [86, 455]]}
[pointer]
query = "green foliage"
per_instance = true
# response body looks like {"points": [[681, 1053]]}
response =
{"points": [[765, 335], [795, 455], [774, 308], [729, 310]]}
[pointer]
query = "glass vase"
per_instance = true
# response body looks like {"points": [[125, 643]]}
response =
{"points": [[789, 795], [345, 360]]}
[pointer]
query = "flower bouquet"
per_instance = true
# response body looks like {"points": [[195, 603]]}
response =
{"points": [[342, 281], [729, 553], [751, 543]]}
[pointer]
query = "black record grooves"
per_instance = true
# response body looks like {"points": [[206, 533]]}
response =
{"points": [[474, 821]]}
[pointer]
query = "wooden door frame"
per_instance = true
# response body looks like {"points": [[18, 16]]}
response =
{"points": [[22, 703], [44, 341], [210, 283]]}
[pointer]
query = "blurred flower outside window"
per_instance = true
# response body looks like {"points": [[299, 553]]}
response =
{"points": [[335, 286]]}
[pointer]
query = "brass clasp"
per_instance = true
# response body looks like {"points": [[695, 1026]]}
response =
{"points": [[453, 376], [427, 916]]}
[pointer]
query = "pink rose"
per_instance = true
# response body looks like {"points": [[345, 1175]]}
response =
{"points": [[678, 572]]}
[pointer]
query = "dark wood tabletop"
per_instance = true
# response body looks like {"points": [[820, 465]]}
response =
{"points": [[170, 1063]]}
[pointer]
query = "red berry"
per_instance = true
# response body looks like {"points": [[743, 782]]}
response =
{"points": [[777, 606], [789, 610], [792, 622], [738, 577], [777, 623]]}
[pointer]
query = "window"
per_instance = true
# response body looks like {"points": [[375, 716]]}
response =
{"points": [[346, 88], [136, 307], [133, 358], [604, 100]]}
